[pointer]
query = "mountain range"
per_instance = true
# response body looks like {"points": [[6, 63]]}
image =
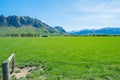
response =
{"points": [[102, 31], [25, 24]]}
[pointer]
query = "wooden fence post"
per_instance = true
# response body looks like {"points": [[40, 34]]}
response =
{"points": [[13, 64], [5, 70], [5, 67]]}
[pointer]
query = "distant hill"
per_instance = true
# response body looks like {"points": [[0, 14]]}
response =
{"points": [[25, 24], [60, 29], [102, 31]]}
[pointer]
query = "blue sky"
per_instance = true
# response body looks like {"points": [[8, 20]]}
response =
{"points": [[70, 14]]}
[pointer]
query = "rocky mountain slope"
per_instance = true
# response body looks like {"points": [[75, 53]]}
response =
{"points": [[25, 24]]}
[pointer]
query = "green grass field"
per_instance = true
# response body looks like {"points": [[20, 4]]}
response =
{"points": [[66, 58]]}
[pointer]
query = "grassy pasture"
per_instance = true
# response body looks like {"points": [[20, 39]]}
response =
{"points": [[66, 58]]}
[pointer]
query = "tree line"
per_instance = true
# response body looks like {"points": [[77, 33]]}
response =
{"points": [[24, 35]]}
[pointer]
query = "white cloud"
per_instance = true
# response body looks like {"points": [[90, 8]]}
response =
{"points": [[91, 14], [97, 14], [43, 21], [102, 7]]}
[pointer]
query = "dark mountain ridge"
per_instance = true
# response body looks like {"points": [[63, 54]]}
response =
{"points": [[18, 22]]}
